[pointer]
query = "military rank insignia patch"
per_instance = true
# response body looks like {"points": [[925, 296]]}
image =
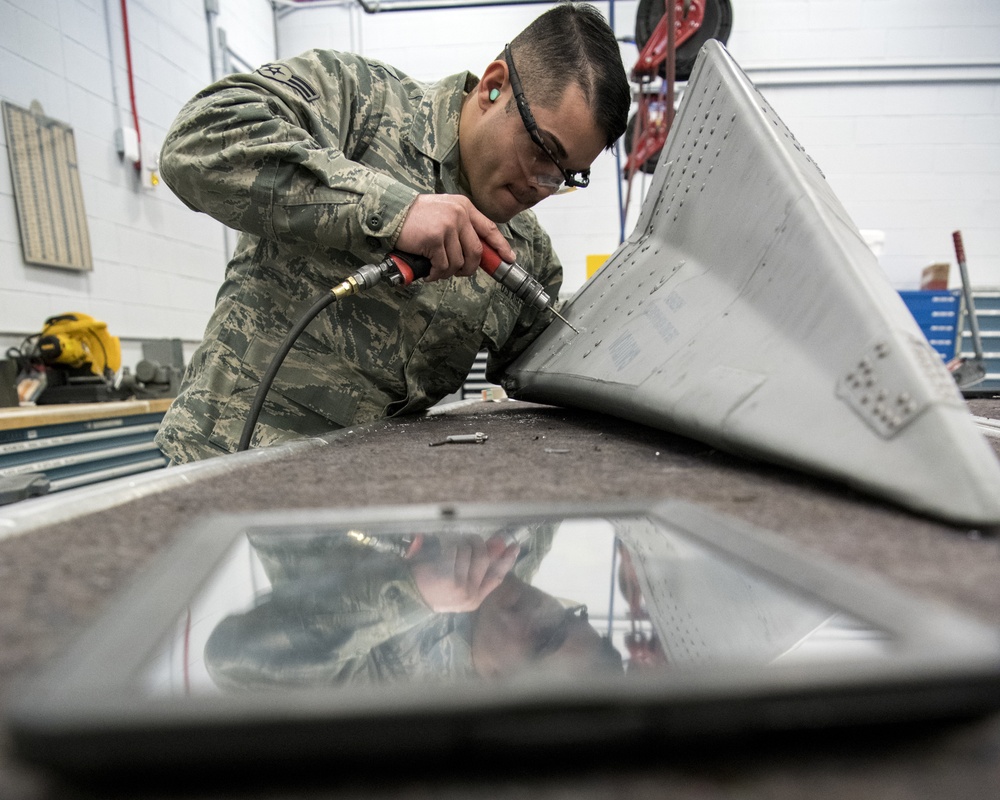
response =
{"points": [[281, 74]]}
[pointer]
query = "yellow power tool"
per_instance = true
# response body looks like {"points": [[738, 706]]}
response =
{"points": [[79, 342]]}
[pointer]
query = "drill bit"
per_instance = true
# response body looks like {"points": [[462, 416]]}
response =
{"points": [[515, 278], [563, 319]]}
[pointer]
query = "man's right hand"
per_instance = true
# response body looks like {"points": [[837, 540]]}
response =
{"points": [[447, 228], [462, 571]]}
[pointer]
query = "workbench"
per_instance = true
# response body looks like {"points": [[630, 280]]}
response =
{"points": [[37, 417], [62, 558], [77, 444]]}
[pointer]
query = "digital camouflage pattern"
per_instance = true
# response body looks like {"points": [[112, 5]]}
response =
{"points": [[337, 613], [316, 160]]}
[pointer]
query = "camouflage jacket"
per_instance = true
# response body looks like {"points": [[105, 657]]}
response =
{"points": [[337, 615], [316, 160]]}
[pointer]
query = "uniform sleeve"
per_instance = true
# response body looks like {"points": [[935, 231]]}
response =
{"points": [[541, 261], [275, 153], [319, 631]]}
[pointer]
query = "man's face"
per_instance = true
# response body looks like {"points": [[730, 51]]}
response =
{"points": [[506, 170], [517, 625]]}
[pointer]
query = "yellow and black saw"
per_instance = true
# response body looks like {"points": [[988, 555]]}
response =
{"points": [[73, 359], [79, 342]]}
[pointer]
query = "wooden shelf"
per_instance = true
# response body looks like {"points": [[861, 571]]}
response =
{"points": [[35, 416]]}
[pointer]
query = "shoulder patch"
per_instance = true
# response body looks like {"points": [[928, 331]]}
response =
{"points": [[281, 74]]}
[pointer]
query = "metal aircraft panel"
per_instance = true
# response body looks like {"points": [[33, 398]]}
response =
{"points": [[745, 310]]}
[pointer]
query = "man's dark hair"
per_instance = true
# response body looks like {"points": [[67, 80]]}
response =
{"points": [[573, 44]]}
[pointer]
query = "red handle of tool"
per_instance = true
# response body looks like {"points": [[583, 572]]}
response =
{"points": [[491, 260], [410, 266], [959, 247]]}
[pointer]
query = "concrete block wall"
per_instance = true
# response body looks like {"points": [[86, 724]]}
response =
{"points": [[156, 265], [897, 100]]}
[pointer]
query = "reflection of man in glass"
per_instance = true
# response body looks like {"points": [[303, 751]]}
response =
{"points": [[456, 607], [518, 623]]}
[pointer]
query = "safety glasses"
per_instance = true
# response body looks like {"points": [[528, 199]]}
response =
{"points": [[576, 180], [552, 638]]}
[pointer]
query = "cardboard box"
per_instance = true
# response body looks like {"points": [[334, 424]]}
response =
{"points": [[935, 276]]}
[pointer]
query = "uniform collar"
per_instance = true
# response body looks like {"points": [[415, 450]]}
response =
{"points": [[434, 131]]}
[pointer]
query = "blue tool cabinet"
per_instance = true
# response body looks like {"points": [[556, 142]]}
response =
{"points": [[77, 445], [937, 313]]}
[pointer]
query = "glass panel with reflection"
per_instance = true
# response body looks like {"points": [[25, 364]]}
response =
{"points": [[460, 600]]}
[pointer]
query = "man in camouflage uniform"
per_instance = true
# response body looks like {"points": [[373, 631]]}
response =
{"points": [[460, 609], [327, 161]]}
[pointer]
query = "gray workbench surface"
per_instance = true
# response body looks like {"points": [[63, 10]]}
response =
{"points": [[56, 577]]}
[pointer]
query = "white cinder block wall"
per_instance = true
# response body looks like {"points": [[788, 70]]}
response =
{"points": [[897, 100], [157, 265]]}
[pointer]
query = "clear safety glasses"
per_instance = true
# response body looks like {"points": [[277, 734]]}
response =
{"points": [[539, 164]]}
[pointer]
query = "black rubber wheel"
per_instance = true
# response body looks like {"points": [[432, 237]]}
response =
{"points": [[649, 166], [716, 25]]}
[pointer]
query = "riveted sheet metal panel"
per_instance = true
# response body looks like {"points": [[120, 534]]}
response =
{"points": [[746, 310]]}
